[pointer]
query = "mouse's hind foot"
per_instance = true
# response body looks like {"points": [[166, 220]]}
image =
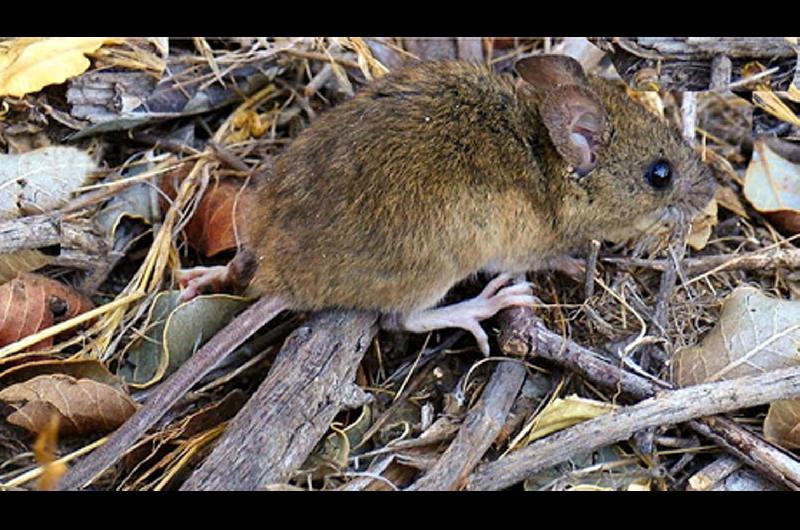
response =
{"points": [[231, 278], [200, 280], [497, 295]]}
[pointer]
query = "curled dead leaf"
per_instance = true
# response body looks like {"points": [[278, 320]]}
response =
{"points": [[772, 185], [82, 405], [31, 302], [174, 333], [782, 424]]}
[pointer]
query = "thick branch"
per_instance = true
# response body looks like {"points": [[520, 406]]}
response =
{"points": [[309, 383]]}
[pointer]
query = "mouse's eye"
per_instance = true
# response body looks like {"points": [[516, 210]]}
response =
{"points": [[659, 174]]}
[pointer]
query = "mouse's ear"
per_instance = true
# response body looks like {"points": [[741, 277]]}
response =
{"points": [[547, 72], [578, 125]]}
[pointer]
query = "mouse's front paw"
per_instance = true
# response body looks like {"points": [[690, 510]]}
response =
{"points": [[496, 296]]}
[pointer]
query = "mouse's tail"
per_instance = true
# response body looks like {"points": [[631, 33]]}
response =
{"points": [[198, 365]]}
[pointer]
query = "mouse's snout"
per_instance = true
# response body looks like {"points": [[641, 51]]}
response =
{"points": [[697, 190]]}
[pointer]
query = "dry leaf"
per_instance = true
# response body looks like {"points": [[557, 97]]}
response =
{"points": [[30, 303], [44, 450], [702, 226], [755, 333], [83, 406], [41, 180], [771, 102], [174, 333], [77, 368], [772, 185], [782, 424], [31, 63], [211, 230], [22, 261], [566, 412], [729, 199]]}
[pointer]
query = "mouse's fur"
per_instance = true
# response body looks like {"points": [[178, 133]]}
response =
{"points": [[437, 171]]}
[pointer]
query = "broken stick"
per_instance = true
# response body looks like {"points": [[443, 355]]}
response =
{"points": [[311, 380]]}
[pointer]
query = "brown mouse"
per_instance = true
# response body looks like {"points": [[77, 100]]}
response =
{"points": [[442, 169], [430, 174]]}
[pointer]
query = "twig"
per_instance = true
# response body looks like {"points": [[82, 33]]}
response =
{"points": [[759, 260], [665, 409], [480, 428], [523, 333], [591, 269], [774, 462]]}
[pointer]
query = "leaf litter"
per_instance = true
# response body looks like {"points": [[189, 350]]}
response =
{"points": [[140, 117]]}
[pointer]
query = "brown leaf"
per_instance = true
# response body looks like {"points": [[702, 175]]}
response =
{"points": [[210, 230], [77, 368], [772, 185], [728, 199], [31, 302], [82, 405], [755, 333], [782, 424], [44, 450]]}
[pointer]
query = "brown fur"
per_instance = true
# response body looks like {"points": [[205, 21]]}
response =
{"points": [[435, 172]]}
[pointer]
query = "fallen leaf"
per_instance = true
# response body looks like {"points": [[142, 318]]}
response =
{"points": [[755, 333], [82, 405], [15, 263], [782, 424], [702, 226], [729, 199], [44, 450], [77, 368], [562, 413], [41, 180], [772, 185], [174, 333], [772, 103], [30, 303], [29, 64], [211, 228], [137, 201]]}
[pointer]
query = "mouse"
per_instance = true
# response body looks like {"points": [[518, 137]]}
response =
{"points": [[441, 170], [431, 174]]}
